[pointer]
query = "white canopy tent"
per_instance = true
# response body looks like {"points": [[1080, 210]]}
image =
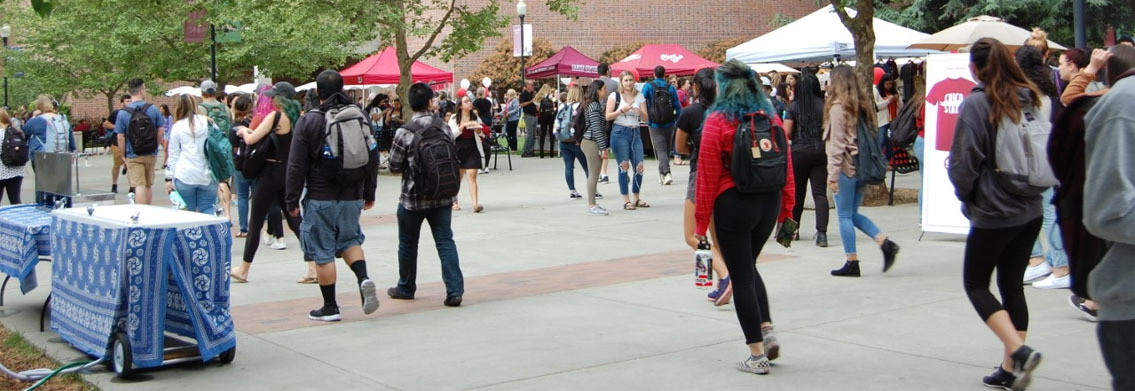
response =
{"points": [[778, 67], [821, 36]]}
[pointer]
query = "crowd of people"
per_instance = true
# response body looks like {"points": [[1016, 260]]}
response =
{"points": [[753, 144]]}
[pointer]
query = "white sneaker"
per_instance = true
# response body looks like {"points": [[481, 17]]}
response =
{"points": [[266, 239], [1038, 272], [1054, 282], [278, 245], [667, 179], [596, 211]]}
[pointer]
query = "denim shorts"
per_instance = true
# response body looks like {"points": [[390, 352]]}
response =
{"points": [[329, 228]]}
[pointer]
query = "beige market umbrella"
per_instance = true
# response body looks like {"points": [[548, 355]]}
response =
{"points": [[965, 34]]}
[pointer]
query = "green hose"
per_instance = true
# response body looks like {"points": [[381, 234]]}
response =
{"points": [[56, 372]]}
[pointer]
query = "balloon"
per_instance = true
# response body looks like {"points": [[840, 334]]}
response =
{"points": [[461, 93], [465, 83], [487, 82]]}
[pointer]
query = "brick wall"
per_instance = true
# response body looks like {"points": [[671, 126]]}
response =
{"points": [[94, 108]]}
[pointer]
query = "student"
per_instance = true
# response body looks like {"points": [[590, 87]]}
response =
{"points": [[594, 141], [467, 130], [50, 132], [627, 107], [570, 149], [661, 126], [187, 171], [414, 208], [1003, 225], [805, 126], [119, 166], [11, 177], [140, 168]]}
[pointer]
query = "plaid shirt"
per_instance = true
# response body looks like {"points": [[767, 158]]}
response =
{"points": [[402, 158]]}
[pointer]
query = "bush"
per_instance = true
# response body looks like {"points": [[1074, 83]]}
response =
{"points": [[504, 69], [715, 51]]}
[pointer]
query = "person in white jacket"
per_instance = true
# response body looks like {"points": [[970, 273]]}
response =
{"points": [[187, 171], [467, 133]]}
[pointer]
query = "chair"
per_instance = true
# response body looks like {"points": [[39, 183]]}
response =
{"points": [[496, 136]]}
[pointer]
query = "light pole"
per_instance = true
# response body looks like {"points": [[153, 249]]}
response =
{"points": [[5, 31], [522, 11]]}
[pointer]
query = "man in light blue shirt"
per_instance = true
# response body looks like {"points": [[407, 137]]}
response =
{"points": [[662, 120], [139, 167]]}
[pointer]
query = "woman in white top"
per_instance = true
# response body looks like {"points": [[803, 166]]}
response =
{"points": [[467, 134], [187, 171], [11, 177], [627, 108], [887, 104]]}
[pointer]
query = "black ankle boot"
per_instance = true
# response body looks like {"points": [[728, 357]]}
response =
{"points": [[890, 250], [822, 239], [849, 269]]}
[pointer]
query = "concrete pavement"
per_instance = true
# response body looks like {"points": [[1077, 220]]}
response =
{"points": [[559, 300]]}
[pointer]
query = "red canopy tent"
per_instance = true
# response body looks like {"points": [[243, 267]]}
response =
{"points": [[567, 62], [382, 68], [675, 58]]}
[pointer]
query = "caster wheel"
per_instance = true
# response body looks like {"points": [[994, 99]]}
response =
{"points": [[122, 359], [228, 355]]}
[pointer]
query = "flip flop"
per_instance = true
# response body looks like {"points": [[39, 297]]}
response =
{"points": [[242, 234], [478, 209], [307, 280], [237, 278]]}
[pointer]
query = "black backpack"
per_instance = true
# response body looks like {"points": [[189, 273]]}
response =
{"points": [[547, 111], [661, 108], [255, 157], [14, 152], [435, 171], [142, 132], [759, 162], [904, 129], [870, 163]]}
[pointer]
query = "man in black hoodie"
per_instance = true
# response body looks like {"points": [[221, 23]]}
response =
{"points": [[332, 206]]}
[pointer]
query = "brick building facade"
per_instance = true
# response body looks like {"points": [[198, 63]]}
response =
{"points": [[602, 25]]}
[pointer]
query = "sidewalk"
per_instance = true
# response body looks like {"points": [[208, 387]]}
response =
{"points": [[559, 300]]}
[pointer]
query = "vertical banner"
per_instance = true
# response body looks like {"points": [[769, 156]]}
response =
{"points": [[948, 82], [516, 38]]}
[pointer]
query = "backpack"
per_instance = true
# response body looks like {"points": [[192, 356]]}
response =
{"points": [[348, 140], [218, 154], [142, 133], [435, 171], [547, 110], [14, 152], [58, 133], [255, 156], [903, 128], [1020, 154], [759, 162], [565, 119], [218, 114], [1066, 153], [870, 162], [661, 108]]}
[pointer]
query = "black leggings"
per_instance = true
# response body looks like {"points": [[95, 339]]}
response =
{"points": [[810, 164], [268, 194], [1007, 250], [744, 223], [12, 187], [546, 133]]}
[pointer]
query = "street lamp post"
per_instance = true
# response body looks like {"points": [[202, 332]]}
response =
{"points": [[5, 31], [522, 11]]}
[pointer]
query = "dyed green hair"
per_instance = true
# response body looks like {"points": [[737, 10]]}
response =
{"points": [[290, 106], [739, 92]]}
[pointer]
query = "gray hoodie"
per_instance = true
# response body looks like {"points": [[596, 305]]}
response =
{"points": [[970, 167], [1109, 199]]}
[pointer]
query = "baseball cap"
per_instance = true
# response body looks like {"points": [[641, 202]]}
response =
{"points": [[208, 87], [284, 89], [765, 81]]}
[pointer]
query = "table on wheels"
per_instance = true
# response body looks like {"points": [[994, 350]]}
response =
{"points": [[125, 275], [25, 236]]}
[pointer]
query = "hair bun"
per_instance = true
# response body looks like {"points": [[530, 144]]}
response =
{"points": [[1039, 34]]}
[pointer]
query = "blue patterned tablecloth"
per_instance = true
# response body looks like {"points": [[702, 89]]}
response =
{"points": [[25, 235], [144, 281]]}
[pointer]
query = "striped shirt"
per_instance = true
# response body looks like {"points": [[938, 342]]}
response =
{"points": [[596, 126]]}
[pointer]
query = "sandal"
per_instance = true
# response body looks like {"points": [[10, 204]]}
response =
{"points": [[237, 278], [456, 208], [242, 235], [307, 280], [641, 204], [629, 206], [478, 209]]}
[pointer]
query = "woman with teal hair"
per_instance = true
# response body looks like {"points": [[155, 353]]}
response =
{"points": [[268, 192], [743, 220]]}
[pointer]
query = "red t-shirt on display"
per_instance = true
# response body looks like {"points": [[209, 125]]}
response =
{"points": [[947, 96]]}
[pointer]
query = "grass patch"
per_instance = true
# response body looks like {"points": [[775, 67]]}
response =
{"points": [[17, 354]]}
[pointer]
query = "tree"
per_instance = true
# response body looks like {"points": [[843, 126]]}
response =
{"points": [[400, 20], [618, 53], [501, 67], [715, 51], [862, 28]]}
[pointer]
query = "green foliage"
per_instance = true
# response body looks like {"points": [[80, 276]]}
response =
{"points": [[780, 20], [715, 51]]}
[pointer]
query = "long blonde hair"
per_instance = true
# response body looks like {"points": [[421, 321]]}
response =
{"points": [[575, 94], [845, 90]]}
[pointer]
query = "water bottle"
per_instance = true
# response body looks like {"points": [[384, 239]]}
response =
{"points": [[327, 152], [373, 144], [703, 262]]}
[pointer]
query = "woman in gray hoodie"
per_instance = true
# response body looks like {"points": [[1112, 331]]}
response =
{"points": [[1003, 225]]}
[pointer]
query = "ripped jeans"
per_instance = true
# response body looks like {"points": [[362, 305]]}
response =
{"points": [[627, 145]]}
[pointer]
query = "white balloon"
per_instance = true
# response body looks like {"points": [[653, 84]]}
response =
{"points": [[487, 82], [465, 83]]}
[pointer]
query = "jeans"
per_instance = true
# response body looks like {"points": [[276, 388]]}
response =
{"points": [[409, 230], [810, 164], [1006, 250], [1056, 255], [571, 152], [920, 153], [243, 190], [662, 138], [530, 133], [627, 145], [847, 202], [1117, 343], [510, 133], [198, 198]]}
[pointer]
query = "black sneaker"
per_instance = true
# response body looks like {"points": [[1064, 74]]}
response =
{"points": [[453, 301], [114, 189], [367, 293], [1077, 302], [576, 196], [396, 293], [1025, 360], [999, 379], [326, 314], [604, 179], [890, 250], [849, 269], [598, 196], [822, 239]]}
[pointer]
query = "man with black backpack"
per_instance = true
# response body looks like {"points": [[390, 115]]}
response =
{"points": [[335, 157], [139, 127], [663, 109], [425, 155]]}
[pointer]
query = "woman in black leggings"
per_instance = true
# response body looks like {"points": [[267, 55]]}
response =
{"points": [[268, 192], [1003, 225], [743, 221], [805, 126]]}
